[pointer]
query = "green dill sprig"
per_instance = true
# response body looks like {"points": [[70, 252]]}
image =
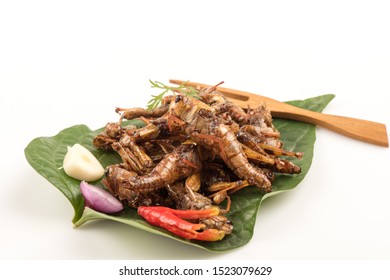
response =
{"points": [[183, 89]]}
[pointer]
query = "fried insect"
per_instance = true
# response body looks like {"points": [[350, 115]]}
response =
{"points": [[222, 106], [133, 113], [260, 124], [117, 177], [192, 155], [181, 163], [207, 130]]}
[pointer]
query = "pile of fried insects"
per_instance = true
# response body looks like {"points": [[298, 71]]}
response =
{"points": [[195, 150]]}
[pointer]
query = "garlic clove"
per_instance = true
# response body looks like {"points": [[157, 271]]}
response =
{"points": [[81, 164]]}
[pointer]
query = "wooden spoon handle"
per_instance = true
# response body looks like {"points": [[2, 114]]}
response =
{"points": [[363, 130]]}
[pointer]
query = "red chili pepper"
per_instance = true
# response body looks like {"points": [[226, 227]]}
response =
{"points": [[171, 220]]}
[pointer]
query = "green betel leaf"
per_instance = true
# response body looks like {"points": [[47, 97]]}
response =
{"points": [[46, 154]]}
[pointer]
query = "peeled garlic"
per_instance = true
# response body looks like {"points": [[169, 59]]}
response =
{"points": [[81, 164]]}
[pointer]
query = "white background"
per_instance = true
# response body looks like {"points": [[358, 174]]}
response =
{"points": [[71, 62]]}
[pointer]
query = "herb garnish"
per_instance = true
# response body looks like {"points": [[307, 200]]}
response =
{"points": [[183, 89]]}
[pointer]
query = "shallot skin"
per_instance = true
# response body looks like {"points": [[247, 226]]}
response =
{"points": [[99, 199]]}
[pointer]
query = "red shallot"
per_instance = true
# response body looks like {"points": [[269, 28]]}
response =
{"points": [[99, 199]]}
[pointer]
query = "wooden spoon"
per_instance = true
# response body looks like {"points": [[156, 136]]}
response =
{"points": [[367, 131]]}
